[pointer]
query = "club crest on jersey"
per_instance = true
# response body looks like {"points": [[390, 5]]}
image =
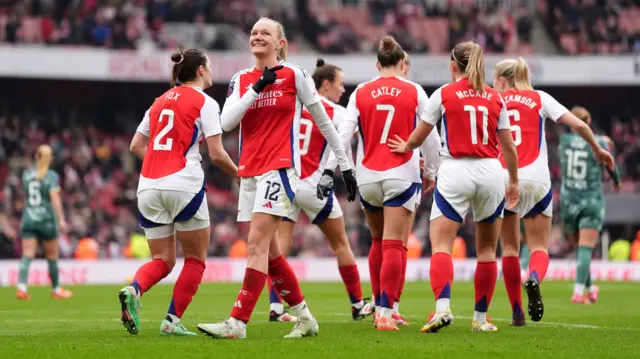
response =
{"points": [[230, 89], [279, 81]]}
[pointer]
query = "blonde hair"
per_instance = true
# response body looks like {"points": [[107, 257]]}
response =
{"points": [[44, 157], [581, 113], [516, 72], [470, 60], [407, 59], [283, 51]]}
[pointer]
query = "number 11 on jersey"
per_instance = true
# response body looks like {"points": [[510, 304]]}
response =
{"points": [[474, 123]]}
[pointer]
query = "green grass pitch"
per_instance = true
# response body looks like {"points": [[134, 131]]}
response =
{"points": [[88, 326]]}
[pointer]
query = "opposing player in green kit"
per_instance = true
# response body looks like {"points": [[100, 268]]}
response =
{"points": [[41, 219], [582, 201]]}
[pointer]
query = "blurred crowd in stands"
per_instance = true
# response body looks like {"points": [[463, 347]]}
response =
{"points": [[593, 26], [330, 26]]}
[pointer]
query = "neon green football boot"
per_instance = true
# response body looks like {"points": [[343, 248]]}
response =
{"points": [[129, 302]]}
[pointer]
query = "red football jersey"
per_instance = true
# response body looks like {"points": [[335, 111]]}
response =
{"points": [[313, 146], [175, 124], [270, 128], [387, 106], [470, 119], [527, 111]]}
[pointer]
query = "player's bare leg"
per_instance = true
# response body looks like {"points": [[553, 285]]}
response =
{"points": [[277, 313], [537, 231], [163, 254], [510, 234], [587, 240], [442, 233], [29, 247], [51, 252], [265, 258], [334, 230], [375, 221], [486, 274]]}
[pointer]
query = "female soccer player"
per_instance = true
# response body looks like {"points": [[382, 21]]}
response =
{"points": [[527, 109], [474, 121], [267, 103], [323, 212], [42, 218], [582, 205], [389, 183], [171, 191]]}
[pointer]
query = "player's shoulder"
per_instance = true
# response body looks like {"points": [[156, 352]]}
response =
{"points": [[241, 72], [27, 174], [412, 85], [295, 69], [330, 104]]}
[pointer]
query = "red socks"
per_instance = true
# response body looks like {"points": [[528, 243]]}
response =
{"points": [[441, 275], [351, 278], [404, 273], [390, 272], [484, 283], [149, 274], [252, 286], [375, 265], [186, 286], [513, 283], [539, 264], [285, 281]]}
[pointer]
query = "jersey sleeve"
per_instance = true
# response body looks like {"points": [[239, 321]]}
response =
{"points": [[431, 153], [503, 118], [53, 181], [346, 128], [551, 108], [235, 106], [339, 116], [433, 109], [143, 127], [306, 89], [210, 117]]}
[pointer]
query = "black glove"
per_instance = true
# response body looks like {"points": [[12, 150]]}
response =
{"points": [[351, 183], [268, 77], [325, 185]]}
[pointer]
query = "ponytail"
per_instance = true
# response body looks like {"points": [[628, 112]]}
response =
{"points": [[521, 75], [43, 160], [475, 68], [282, 53], [515, 72]]}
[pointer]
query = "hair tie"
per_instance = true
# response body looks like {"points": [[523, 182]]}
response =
{"points": [[181, 59]]}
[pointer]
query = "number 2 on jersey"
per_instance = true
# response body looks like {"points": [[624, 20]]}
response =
{"points": [[474, 123], [157, 145], [387, 123]]}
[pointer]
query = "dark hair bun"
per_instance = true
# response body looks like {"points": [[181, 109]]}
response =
{"points": [[320, 62], [387, 43], [177, 56]]}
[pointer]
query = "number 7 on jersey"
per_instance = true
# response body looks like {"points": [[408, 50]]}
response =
{"points": [[387, 123]]}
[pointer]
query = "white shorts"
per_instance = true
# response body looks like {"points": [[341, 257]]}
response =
{"points": [[535, 198], [161, 212], [390, 193], [475, 182], [271, 193], [317, 210]]}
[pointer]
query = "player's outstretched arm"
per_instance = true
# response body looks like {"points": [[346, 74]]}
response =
{"points": [[220, 157], [139, 145], [329, 132], [511, 159], [584, 131]]}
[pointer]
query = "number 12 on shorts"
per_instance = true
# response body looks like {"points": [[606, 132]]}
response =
{"points": [[272, 191]]}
